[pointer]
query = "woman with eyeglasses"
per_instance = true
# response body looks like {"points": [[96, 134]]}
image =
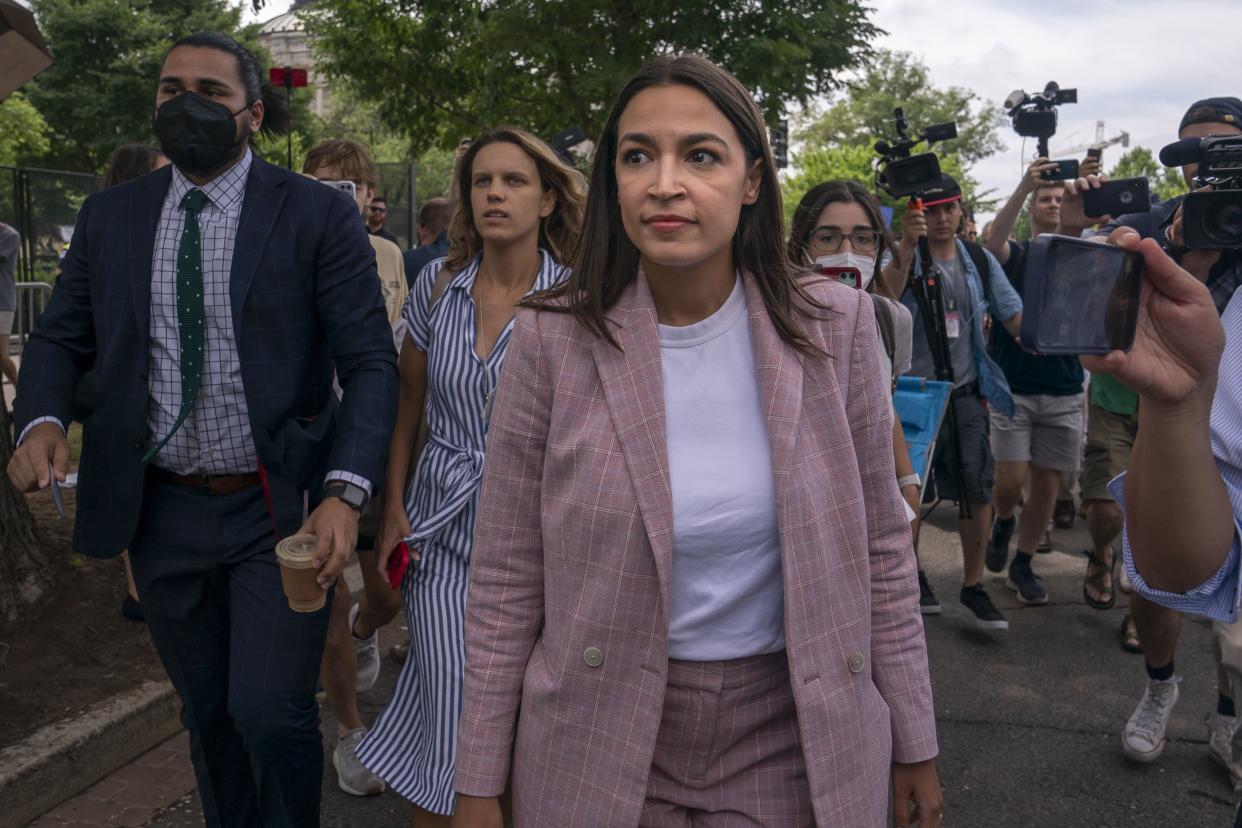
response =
{"points": [[837, 227]]}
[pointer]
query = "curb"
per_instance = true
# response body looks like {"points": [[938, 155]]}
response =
{"points": [[65, 758]]}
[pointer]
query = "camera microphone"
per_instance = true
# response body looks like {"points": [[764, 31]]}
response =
{"points": [[1180, 153]]}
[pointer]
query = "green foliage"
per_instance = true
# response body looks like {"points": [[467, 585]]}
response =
{"points": [[23, 132], [1165, 182], [434, 173], [100, 92], [839, 142], [441, 69], [864, 109]]}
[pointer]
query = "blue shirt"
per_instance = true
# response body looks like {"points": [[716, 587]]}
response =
{"points": [[1218, 597], [420, 257], [1003, 303]]}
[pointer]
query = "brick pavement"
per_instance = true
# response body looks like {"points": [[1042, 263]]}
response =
{"points": [[132, 795]]}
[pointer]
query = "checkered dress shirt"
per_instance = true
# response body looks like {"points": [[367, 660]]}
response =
{"points": [[216, 437]]}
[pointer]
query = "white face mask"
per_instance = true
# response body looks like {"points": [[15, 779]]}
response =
{"points": [[864, 264]]}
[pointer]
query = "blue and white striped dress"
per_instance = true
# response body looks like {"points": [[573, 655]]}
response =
{"points": [[413, 745]]}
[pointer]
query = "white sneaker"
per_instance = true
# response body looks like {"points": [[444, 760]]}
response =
{"points": [[1143, 738], [1220, 743], [368, 654], [351, 775]]}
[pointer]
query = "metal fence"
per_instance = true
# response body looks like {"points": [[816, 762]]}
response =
{"points": [[396, 183], [42, 205]]}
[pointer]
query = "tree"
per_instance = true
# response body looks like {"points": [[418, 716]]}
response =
{"points": [[863, 111], [1165, 182], [440, 69], [100, 92], [839, 141], [23, 132]]}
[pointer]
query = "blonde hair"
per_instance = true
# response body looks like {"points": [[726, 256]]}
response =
{"points": [[558, 233], [350, 157]]}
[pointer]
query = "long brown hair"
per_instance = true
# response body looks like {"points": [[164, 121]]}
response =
{"points": [[558, 233], [832, 192], [607, 261]]}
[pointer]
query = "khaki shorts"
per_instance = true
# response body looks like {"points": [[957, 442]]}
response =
{"points": [[1110, 439], [6, 323], [1044, 430]]}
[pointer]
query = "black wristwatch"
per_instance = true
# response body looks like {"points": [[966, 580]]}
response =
{"points": [[355, 497]]}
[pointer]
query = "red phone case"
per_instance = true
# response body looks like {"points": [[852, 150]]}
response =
{"points": [[398, 562]]}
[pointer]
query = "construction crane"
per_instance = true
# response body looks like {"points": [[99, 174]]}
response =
{"points": [[1100, 142]]}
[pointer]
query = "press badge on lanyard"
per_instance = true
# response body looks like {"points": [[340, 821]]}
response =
{"points": [[952, 321]]}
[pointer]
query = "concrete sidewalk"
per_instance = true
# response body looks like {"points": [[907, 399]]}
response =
{"points": [[1029, 720]]}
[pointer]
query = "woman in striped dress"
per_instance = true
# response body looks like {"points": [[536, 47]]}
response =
{"points": [[519, 218]]}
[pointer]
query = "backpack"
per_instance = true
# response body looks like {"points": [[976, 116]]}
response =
{"points": [[886, 324]]}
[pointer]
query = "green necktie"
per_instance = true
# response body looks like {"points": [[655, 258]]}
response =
{"points": [[189, 312]]}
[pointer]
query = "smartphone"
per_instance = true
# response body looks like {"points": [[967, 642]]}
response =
{"points": [[1095, 152], [846, 275], [1116, 198], [1080, 297], [1065, 171], [349, 188], [398, 562]]}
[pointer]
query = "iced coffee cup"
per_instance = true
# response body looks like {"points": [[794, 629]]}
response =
{"points": [[296, 555]]}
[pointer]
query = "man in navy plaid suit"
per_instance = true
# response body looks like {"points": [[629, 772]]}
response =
{"points": [[216, 298]]}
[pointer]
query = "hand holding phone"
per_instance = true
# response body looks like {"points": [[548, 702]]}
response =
{"points": [[398, 562]]}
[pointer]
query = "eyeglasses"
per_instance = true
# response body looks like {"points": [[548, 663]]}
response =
{"points": [[375, 209], [864, 241]]}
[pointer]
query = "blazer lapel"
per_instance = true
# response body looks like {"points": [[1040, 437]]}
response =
{"points": [[633, 387], [778, 368], [145, 205], [262, 203]]}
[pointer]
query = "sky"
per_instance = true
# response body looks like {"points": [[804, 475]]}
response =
{"points": [[1137, 65]]}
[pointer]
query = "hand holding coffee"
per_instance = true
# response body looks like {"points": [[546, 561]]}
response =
{"points": [[296, 555]]}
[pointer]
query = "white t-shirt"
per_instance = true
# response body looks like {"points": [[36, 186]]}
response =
{"points": [[727, 596]]}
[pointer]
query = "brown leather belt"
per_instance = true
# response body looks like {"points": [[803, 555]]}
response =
{"points": [[212, 484]]}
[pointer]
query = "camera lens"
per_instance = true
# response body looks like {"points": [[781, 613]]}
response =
{"points": [[1223, 223], [1126, 197]]}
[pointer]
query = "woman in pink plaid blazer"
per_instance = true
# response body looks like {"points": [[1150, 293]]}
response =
{"points": [[692, 593]]}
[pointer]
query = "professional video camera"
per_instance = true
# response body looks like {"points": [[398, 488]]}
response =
{"points": [[1211, 220], [903, 175], [1035, 116]]}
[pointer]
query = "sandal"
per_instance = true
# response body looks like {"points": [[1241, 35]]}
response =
{"points": [[1129, 636], [1095, 577]]}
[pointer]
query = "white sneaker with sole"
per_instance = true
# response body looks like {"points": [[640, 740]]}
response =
{"points": [[1220, 743], [1143, 738], [351, 775], [367, 653]]}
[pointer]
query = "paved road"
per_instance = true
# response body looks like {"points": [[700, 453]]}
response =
{"points": [[1029, 720]]}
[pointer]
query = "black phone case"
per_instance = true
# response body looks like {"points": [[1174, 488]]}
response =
{"points": [[1035, 288], [1065, 171], [1118, 198]]}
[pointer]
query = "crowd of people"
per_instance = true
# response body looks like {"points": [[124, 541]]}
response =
{"points": [[638, 445]]}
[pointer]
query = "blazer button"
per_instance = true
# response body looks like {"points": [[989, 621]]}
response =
{"points": [[855, 663], [593, 656]]}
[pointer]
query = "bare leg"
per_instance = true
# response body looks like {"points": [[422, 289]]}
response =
{"points": [[129, 575], [1158, 629], [338, 673], [1010, 479], [7, 366], [1104, 523], [380, 604], [1040, 502], [426, 819], [974, 534]]}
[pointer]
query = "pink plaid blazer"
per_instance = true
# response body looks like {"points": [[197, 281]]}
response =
{"points": [[566, 618]]}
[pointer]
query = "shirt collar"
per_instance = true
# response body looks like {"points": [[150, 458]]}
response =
{"points": [[547, 277], [224, 191]]}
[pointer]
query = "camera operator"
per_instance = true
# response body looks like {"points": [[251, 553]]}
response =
{"points": [[1043, 438], [972, 285], [1157, 622]]}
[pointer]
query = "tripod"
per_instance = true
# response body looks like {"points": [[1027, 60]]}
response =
{"points": [[928, 296]]}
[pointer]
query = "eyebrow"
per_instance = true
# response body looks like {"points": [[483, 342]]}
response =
{"points": [[686, 140], [200, 81]]}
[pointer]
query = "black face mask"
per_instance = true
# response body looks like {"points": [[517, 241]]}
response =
{"points": [[197, 134]]}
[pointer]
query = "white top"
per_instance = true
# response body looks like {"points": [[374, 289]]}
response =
{"points": [[728, 600]]}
